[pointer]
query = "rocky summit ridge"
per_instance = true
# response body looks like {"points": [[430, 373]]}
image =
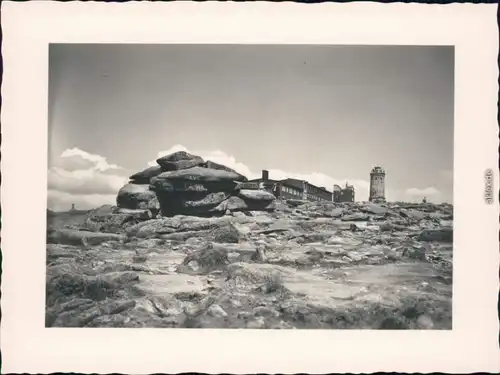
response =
{"points": [[188, 246]]}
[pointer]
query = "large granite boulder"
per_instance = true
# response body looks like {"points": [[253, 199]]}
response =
{"points": [[256, 195], [135, 196], [185, 184], [208, 202], [179, 160], [161, 185], [164, 185], [144, 177], [237, 203], [211, 165], [194, 191], [200, 174], [189, 203]]}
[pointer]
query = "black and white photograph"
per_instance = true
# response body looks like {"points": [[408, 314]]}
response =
{"points": [[250, 186]]}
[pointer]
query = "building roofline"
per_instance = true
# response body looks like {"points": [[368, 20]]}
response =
{"points": [[261, 180], [292, 182], [297, 184], [322, 188]]}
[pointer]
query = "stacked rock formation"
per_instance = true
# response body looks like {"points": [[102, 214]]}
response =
{"points": [[185, 184]]}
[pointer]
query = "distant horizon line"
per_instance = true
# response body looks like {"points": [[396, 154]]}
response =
{"points": [[76, 210]]}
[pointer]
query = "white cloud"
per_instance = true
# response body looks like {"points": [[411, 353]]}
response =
{"points": [[88, 180], [361, 187], [84, 179], [75, 159]]}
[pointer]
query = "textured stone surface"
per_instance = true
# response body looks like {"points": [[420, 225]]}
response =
{"points": [[299, 266], [145, 176], [185, 184]]}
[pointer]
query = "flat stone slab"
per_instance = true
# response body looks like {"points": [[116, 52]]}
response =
{"points": [[259, 195], [161, 285], [81, 237], [200, 174]]}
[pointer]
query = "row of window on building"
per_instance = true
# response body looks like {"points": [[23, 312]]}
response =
{"points": [[292, 191], [298, 194], [315, 198], [290, 187]]}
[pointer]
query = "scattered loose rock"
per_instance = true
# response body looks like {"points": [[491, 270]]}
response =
{"points": [[80, 237], [443, 235], [226, 234], [355, 217], [217, 311], [191, 245]]}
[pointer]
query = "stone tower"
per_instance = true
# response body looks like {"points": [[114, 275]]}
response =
{"points": [[304, 190], [377, 185]]}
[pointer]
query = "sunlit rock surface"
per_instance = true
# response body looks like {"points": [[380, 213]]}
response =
{"points": [[300, 265]]}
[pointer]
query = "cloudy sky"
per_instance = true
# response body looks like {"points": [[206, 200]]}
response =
{"points": [[326, 114]]}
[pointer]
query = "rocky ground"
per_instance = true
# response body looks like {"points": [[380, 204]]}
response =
{"points": [[304, 265]]}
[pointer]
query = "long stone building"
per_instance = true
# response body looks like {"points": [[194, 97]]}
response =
{"points": [[291, 188], [343, 194]]}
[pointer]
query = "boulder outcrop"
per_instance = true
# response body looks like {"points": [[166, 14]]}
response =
{"points": [[179, 160], [185, 184], [137, 197], [145, 176]]}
